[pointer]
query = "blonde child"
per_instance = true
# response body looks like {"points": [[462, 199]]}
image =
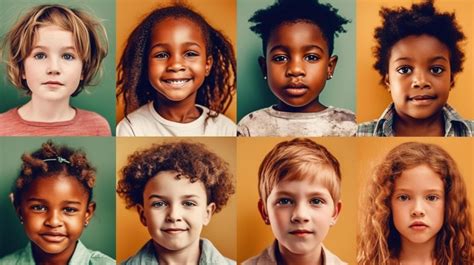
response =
{"points": [[298, 60], [418, 56], [299, 187], [176, 188], [176, 76], [52, 53], [416, 210], [53, 200]]}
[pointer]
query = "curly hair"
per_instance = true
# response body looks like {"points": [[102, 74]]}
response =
{"points": [[90, 39], [298, 159], [420, 19], [379, 241], [133, 85], [324, 16], [191, 160], [53, 160]]}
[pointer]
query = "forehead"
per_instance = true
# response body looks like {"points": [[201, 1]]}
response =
{"points": [[56, 188], [301, 186], [166, 183], [52, 35], [419, 178], [422, 47], [177, 29], [297, 34]]}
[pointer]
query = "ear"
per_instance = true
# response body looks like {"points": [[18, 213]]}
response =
{"points": [[263, 65], [332, 66], [211, 207], [141, 213], [263, 212], [90, 211], [17, 209], [386, 81], [337, 211], [452, 82], [209, 62]]}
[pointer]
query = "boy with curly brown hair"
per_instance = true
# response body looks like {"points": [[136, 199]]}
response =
{"points": [[176, 188]]}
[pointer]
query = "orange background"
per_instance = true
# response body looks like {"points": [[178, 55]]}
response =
{"points": [[254, 236], [132, 235], [372, 97], [220, 14]]}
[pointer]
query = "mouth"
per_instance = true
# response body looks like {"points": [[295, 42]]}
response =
{"points": [[418, 226], [421, 99], [53, 83], [53, 237], [301, 232], [176, 83], [174, 231], [296, 89]]}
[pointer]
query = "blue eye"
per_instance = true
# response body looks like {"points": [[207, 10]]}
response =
{"points": [[284, 201], [311, 57], [280, 58], [404, 70], [39, 56], [68, 57], [161, 55], [437, 70], [38, 208], [316, 201], [159, 204]]}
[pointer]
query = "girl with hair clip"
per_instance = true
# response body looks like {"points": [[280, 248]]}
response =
{"points": [[52, 197], [416, 210], [176, 75], [52, 53]]}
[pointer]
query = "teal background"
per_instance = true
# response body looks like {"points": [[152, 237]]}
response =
{"points": [[99, 98], [100, 234], [253, 92]]}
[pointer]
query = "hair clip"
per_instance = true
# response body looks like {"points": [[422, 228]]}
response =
{"points": [[59, 159]]}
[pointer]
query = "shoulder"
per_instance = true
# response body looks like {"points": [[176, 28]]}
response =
{"points": [[134, 121], [267, 256], [251, 122], [145, 255], [210, 254], [217, 125], [331, 259], [92, 119], [100, 258], [366, 128], [341, 115], [255, 115], [85, 256], [19, 257]]}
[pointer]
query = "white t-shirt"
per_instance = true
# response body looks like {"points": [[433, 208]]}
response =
{"points": [[145, 121], [271, 122]]}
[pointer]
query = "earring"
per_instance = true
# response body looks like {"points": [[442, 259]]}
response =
{"points": [[332, 223], [265, 77], [21, 219], [329, 76], [86, 224], [267, 221]]}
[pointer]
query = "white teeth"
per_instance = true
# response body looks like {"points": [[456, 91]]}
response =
{"points": [[176, 82]]}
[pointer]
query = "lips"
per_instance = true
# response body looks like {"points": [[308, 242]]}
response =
{"points": [[301, 232], [418, 226], [53, 83], [296, 89], [422, 97], [53, 237], [176, 82], [173, 230]]}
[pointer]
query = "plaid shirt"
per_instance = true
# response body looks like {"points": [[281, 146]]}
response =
{"points": [[454, 125]]}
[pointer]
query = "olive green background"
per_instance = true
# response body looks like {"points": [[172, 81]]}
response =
{"points": [[99, 98], [100, 234], [253, 92]]}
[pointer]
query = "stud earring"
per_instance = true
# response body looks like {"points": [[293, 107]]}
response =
{"points": [[86, 224], [329, 76], [21, 219], [265, 77], [267, 221]]}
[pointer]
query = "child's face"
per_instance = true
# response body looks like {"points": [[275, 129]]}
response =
{"points": [[53, 69], [174, 211], [54, 210], [297, 64], [419, 76], [177, 61], [300, 214], [418, 205]]}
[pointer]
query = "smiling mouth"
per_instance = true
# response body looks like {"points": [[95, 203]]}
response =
{"points": [[176, 82], [174, 231]]}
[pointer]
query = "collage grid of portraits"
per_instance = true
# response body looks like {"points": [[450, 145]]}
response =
{"points": [[242, 227]]}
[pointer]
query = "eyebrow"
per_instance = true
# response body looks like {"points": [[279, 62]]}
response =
{"points": [[410, 190], [189, 43], [312, 194], [46, 48], [307, 47], [431, 60], [45, 201], [164, 197]]}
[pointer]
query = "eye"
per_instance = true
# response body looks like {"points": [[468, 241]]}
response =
{"points": [[279, 58], [68, 57], [311, 57], [161, 55], [159, 204], [403, 197], [437, 70], [284, 201], [432, 197], [38, 208], [316, 201], [191, 54], [404, 70], [70, 210], [39, 56], [189, 203]]}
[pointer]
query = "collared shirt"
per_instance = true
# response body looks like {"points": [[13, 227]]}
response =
{"points": [[268, 257], [209, 255], [454, 124], [81, 256]]}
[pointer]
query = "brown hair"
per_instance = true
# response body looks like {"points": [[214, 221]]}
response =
{"points": [[89, 36]]}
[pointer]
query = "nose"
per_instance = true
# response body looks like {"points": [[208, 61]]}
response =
{"points": [[300, 214], [54, 219], [53, 66], [174, 214], [175, 64], [295, 68], [418, 209], [420, 80]]}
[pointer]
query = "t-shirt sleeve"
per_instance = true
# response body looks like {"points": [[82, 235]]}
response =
{"points": [[124, 128]]}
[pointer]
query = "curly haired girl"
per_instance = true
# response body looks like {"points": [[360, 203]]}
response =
{"points": [[176, 188], [53, 200], [176, 75], [416, 210]]}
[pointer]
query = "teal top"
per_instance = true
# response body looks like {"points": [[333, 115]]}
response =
{"points": [[209, 255], [81, 256]]}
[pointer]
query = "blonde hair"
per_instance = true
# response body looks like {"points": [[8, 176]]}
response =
{"points": [[89, 36], [379, 241], [299, 159]]}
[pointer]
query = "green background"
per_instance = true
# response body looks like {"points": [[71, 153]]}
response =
{"points": [[100, 234], [253, 92], [99, 98]]}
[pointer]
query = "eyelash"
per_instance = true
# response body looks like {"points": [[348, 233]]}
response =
{"points": [[65, 56], [165, 55], [159, 204], [410, 70], [284, 58], [43, 208], [287, 201], [431, 197]]}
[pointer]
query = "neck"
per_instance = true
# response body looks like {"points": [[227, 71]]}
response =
{"points": [[431, 126], [46, 111], [314, 106], [311, 257], [44, 258], [178, 111], [185, 256], [414, 253]]}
